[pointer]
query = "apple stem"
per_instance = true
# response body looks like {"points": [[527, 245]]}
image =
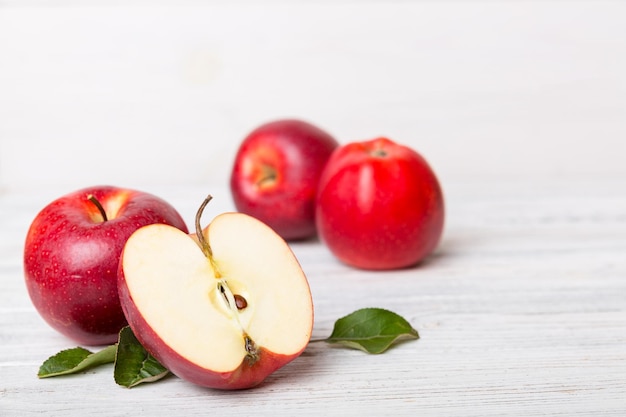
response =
{"points": [[269, 176], [379, 153], [204, 245], [96, 203]]}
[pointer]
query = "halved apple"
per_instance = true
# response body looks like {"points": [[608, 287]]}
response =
{"points": [[223, 308]]}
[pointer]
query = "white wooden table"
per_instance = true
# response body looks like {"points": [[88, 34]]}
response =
{"points": [[522, 311]]}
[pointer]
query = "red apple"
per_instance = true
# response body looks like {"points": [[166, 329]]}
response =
{"points": [[223, 308], [71, 258], [380, 205], [276, 173]]}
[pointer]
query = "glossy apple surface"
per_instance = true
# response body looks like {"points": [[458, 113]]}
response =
{"points": [[71, 258], [380, 205], [276, 173], [223, 314]]}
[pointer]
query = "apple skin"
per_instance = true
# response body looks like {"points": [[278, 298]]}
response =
{"points": [[380, 205], [71, 258], [244, 377], [276, 173]]}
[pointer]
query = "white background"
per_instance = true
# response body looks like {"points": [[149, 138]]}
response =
{"points": [[141, 94]]}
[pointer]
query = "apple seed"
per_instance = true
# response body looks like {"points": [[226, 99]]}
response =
{"points": [[240, 302]]}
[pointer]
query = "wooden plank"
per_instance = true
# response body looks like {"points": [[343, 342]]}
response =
{"points": [[521, 312]]}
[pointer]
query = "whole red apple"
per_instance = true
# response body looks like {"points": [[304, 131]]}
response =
{"points": [[380, 205], [276, 173], [71, 258]]}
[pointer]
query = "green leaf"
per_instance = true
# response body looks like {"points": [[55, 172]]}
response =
{"points": [[133, 364], [75, 360], [372, 330]]}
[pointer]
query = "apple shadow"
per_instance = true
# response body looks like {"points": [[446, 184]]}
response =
{"points": [[451, 246], [302, 367]]}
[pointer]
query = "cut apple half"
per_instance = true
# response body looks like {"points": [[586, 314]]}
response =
{"points": [[223, 308]]}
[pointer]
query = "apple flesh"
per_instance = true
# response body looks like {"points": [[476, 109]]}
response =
{"points": [[223, 308], [71, 258], [276, 172], [380, 205]]}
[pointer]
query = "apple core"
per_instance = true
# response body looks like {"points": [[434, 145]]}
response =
{"points": [[233, 302]]}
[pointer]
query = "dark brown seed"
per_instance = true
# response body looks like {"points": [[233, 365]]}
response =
{"points": [[240, 302]]}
